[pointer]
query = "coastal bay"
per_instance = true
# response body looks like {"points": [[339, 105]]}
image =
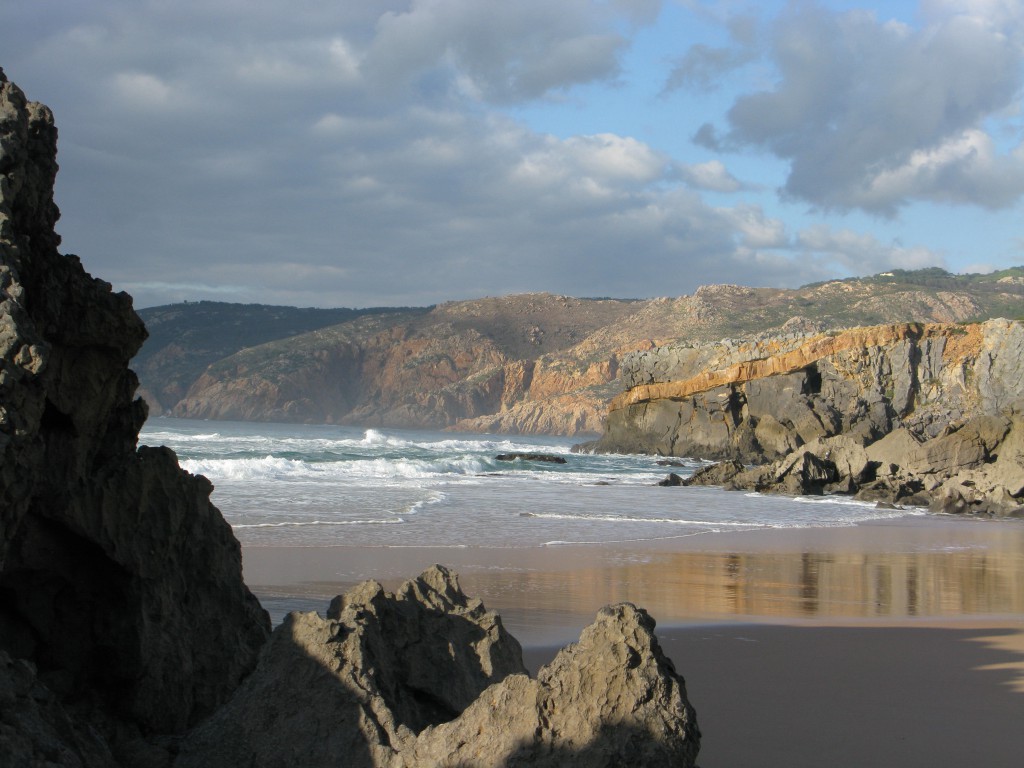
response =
{"points": [[817, 628]]}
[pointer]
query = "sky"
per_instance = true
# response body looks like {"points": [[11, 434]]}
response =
{"points": [[408, 152]]}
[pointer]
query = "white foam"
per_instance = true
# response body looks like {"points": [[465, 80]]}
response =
{"points": [[306, 523], [296, 484], [420, 505], [592, 518], [360, 470]]}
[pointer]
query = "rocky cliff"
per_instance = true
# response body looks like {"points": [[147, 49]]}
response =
{"points": [[789, 399], [120, 584], [441, 368], [534, 363]]}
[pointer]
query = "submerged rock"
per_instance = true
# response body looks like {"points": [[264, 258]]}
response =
{"points": [[543, 457], [671, 479], [428, 677]]}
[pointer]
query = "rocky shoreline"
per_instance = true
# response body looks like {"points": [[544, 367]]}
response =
{"points": [[911, 414]]}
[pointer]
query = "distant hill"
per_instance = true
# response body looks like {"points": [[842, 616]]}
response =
{"points": [[526, 363], [185, 338]]}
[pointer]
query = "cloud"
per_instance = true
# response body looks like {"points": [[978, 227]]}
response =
{"points": [[711, 176], [755, 229], [330, 154], [859, 253], [874, 114], [965, 168], [503, 52], [702, 66]]}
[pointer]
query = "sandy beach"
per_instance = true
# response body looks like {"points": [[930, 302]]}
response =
{"points": [[895, 643]]}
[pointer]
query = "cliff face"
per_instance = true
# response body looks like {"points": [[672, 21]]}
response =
{"points": [[534, 363], [760, 399], [918, 414], [459, 366], [120, 584]]}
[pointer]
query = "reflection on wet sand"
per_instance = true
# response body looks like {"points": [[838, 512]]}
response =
{"points": [[689, 586], [905, 570]]}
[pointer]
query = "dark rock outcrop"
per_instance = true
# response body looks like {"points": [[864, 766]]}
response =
{"points": [[758, 400], [428, 677], [120, 584], [547, 458], [975, 467]]}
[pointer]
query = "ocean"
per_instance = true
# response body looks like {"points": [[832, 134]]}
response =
{"points": [[302, 485]]}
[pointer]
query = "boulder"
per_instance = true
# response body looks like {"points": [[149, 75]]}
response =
{"points": [[612, 699], [715, 474], [898, 448], [428, 677]]}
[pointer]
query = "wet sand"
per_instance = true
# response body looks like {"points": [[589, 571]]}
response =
{"points": [[898, 643], [775, 696]]}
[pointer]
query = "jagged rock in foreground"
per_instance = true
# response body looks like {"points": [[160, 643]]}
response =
{"points": [[122, 606], [428, 677]]}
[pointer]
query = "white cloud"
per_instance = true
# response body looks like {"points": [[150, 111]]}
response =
{"points": [[963, 169], [615, 158], [711, 176], [873, 114], [143, 91], [859, 253], [756, 230]]}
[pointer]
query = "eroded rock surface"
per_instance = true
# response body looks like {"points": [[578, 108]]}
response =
{"points": [[910, 413], [120, 584], [428, 677]]}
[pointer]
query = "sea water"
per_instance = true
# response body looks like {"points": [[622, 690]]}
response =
{"points": [[302, 485]]}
